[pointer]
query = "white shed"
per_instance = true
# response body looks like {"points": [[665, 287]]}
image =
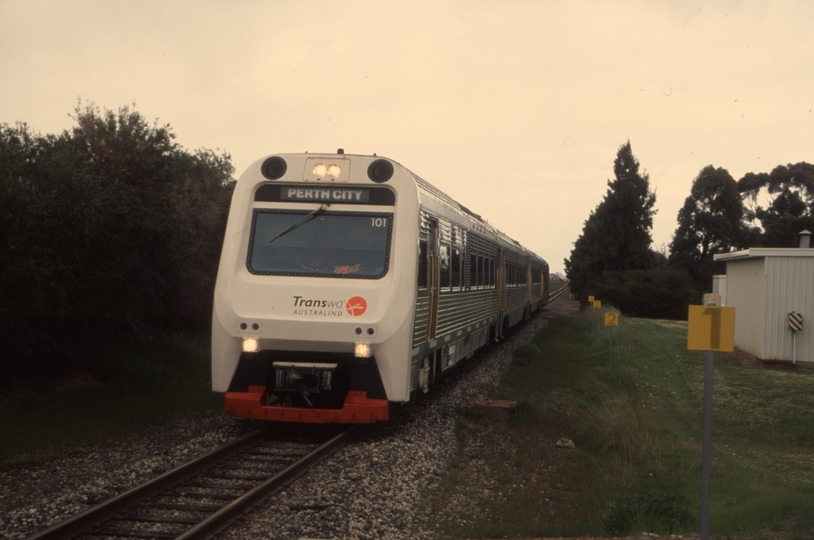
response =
{"points": [[764, 285]]}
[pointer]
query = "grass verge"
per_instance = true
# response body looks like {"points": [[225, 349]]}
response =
{"points": [[637, 462], [130, 388]]}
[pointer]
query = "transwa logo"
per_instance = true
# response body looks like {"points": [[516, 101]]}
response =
{"points": [[356, 306], [320, 307]]}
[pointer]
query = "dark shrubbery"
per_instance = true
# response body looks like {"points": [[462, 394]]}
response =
{"points": [[527, 354], [109, 228], [653, 511], [655, 294]]}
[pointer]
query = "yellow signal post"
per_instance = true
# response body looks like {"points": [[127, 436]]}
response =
{"points": [[709, 328]]}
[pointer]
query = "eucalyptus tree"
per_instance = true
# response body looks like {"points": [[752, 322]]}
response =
{"points": [[710, 222], [782, 201]]}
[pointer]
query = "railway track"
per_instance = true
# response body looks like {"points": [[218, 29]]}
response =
{"points": [[556, 294], [204, 496]]}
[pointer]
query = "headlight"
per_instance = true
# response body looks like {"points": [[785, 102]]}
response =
{"points": [[250, 345], [362, 350]]}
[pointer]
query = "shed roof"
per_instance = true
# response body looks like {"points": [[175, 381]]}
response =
{"points": [[758, 253]]}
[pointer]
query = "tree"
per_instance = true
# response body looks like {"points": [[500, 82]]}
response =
{"points": [[710, 222], [789, 192], [616, 236]]}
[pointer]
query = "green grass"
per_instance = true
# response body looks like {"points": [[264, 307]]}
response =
{"points": [[131, 388], [638, 441]]}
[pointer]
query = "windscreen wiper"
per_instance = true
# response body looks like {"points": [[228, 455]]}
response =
{"points": [[308, 217]]}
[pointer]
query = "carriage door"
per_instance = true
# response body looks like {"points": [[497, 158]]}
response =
{"points": [[529, 280], [433, 279], [501, 291], [529, 289]]}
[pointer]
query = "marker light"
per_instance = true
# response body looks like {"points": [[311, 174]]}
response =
{"points": [[250, 345], [362, 350], [273, 168], [380, 171]]}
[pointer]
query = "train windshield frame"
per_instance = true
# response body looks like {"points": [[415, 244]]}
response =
{"points": [[321, 243]]}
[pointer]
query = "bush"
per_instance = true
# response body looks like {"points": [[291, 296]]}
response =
{"points": [[109, 229], [653, 294]]}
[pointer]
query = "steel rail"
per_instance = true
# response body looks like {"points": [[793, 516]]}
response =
{"points": [[229, 513], [558, 293], [83, 521]]}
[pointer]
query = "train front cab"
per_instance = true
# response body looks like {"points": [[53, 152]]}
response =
{"points": [[311, 304]]}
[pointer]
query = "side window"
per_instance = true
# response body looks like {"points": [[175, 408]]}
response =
{"points": [[479, 263], [491, 272], [445, 266], [422, 264], [455, 267], [473, 271]]}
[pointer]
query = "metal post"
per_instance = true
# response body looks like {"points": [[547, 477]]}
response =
{"points": [[610, 350], [794, 347], [596, 324], [706, 457]]}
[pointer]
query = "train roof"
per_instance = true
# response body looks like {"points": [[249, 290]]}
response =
{"points": [[438, 194]]}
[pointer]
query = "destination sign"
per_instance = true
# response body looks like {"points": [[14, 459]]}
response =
{"points": [[336, 195], [323, 194]]}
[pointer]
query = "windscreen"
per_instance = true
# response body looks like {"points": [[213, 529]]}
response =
{"points": [[320, 243]]}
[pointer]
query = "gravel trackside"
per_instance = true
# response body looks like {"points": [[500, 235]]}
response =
{"points": [[371, 489]]}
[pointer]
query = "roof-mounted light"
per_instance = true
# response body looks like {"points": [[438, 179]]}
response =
{"points": [[330, 169]]}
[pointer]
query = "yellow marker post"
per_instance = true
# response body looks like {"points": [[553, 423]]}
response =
{"points": [[709, 328]]}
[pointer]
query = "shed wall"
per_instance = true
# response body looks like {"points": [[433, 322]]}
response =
{"points": [[790, 287], [719, 287], [746, 292]]}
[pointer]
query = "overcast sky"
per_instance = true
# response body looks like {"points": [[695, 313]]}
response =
{"points": [[516, 109]]}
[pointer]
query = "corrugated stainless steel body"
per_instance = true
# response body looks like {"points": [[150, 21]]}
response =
{"points": [[496, 284]]}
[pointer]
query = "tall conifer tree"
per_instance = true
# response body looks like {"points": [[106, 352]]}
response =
{"points": [[616, 235]]}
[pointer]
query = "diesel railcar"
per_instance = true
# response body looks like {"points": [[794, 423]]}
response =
{"points": [[347, 282]]}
